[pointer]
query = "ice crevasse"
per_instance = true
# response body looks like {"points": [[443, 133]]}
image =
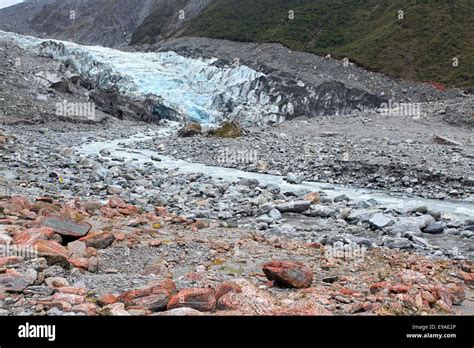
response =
{"points": [[197, 88]]}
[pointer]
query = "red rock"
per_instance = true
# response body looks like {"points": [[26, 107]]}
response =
{"points": [[21, 202], [31, 236], [301, 308], [399, 289], [288, 273], [79, 262], [49, 248], [66, 227], [87, 308], [44, 199], [250, 301], [225, 288], [428, 297], [28, 214], [450, 294], [313, 197], [457, 292], [9, 220], [107, 299], [170, 286], [155, 288], [62, 305], [128, 210], [120, 236], [109, 213], [10, 260], [99, 240], [69, 298], [156, 302], [72, 290], [200, 299], [90, 252], [468, 278], [154, 243], [161, 211], [377, 287], [116, 202], [56, 282]]}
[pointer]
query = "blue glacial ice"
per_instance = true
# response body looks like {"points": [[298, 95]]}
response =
{"points": [[195, 88]]}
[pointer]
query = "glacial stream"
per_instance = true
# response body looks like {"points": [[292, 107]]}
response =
{"points": [[121, 148]]}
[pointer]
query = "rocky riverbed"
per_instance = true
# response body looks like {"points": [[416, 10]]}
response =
{"points": [[122, 227]]}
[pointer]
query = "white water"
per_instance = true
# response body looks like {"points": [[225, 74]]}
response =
{"points": [[121, 148]]}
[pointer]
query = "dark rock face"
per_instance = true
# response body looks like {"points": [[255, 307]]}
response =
{"points": [[82, 21], [151, 109]]}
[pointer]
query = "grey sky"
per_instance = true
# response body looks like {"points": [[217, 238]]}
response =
{"points": [[6, 3]]}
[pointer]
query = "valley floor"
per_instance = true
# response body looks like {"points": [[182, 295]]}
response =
{"points": [[177, 240]]}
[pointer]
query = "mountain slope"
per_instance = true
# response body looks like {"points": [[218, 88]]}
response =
{"points": [[421, 46], [97, 22]]}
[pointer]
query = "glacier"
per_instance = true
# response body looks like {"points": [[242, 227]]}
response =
{"points": [[196, 88]]}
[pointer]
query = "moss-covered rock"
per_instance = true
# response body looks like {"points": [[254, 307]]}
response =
{"points": [[227, 129], [190, 130]]}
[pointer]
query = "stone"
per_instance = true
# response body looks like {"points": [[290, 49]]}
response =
{"points": [[292, 178], [380, 221], [434, 228], [249, 301], [99, 240], [313, 197], [275, 215], [30, 236], [294, 207], [201, 299], [190, 130], [116, 202], [320, 211], [77, 248], [227, 129], [225, 288], [378, 287], [442, 140], [50, 248], [86, 308], [115, 309], [56, 282], [288, 274], [156, 302], [79, 262], [10, 260], [181, 312], [399, 289], [12, 281], [397, 243], [66, 227], [341, 198], [107, 299]]}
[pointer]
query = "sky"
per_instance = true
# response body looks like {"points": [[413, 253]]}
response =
{"points": [[6, 3]]}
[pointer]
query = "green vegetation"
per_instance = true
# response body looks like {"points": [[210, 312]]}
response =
{"points": [[421, 46]]}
